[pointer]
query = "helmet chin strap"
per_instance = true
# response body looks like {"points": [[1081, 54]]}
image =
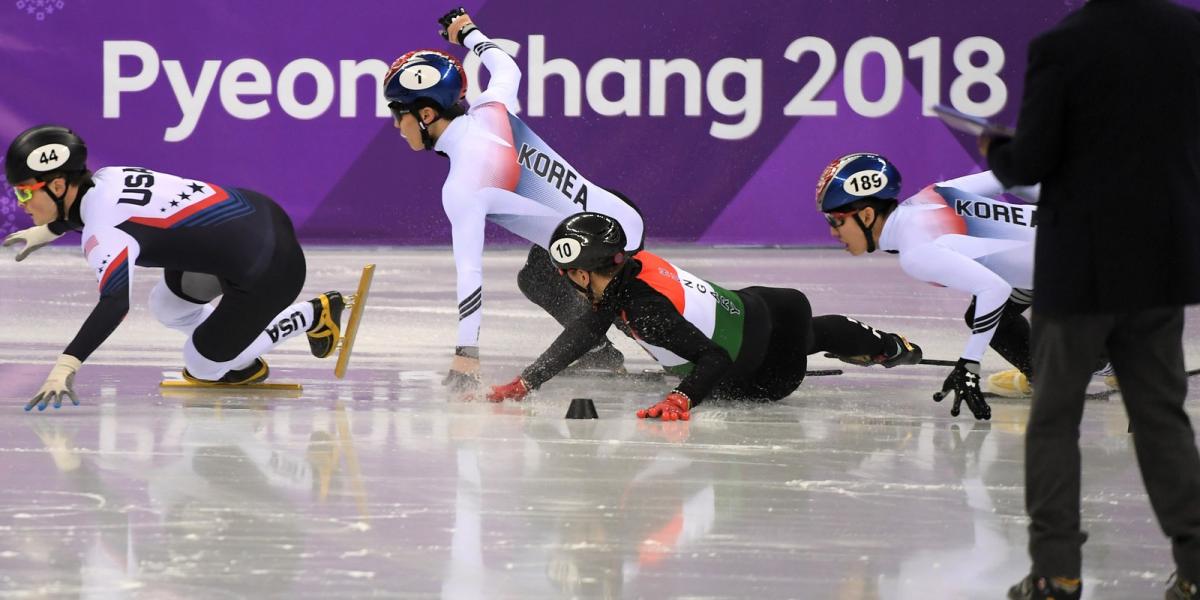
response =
{"points": [[59, 201], [586, 291], [69, 218], [866, 233], [426, 139]]}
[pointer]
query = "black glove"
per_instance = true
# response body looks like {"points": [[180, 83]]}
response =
{"points": [[449, 18], [964, 382]]}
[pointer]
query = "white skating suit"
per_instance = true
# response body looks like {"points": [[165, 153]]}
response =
{"points": [[956, 234], [501, 171]]}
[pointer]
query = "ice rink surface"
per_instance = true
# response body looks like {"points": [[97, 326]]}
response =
{"points": [[383, 485]]}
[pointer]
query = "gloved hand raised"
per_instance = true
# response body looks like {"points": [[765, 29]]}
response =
{"points": [[60, 383], [964, 382], [34, 238], [675, 407], [455, 26]]}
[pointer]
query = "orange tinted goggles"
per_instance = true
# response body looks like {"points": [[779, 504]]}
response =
{"points": [[24, 193]]}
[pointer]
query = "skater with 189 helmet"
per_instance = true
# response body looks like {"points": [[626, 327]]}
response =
{"points": [[957, 234]]}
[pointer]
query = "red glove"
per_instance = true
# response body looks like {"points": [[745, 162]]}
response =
{"points": [[513, 390], [674, 407]]}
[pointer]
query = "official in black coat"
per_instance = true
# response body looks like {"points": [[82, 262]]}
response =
{"points": [[1110, 126]]}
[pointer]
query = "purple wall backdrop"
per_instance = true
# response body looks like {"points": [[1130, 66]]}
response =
{"points": [[351, 179]]}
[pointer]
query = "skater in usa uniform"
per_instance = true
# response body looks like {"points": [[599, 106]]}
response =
{"points": [[750, 344], [210, 240], [955, 234], [500, 171]]}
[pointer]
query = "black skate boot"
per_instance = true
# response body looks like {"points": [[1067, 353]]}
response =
{"points": [[257, 372], [1182, 589], [897, 351], [900, 351], [327, 318], [1035, 587]]}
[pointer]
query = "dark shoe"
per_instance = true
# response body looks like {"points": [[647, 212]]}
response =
{"points": [[327, 323], [255, 373], [605, 357], [1035, 587], [1182, 589], [900, 351], [896, 351]]}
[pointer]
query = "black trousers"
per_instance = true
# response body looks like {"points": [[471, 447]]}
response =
{"points": [[1146, 350], [247, 305], [794, 333], [540, 282]]}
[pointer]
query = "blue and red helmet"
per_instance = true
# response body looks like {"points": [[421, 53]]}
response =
{"points": [[424, 74], [855, 177]]}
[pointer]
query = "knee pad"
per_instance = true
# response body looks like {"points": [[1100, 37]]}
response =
{"points": [[200, 288], [173, 311]]}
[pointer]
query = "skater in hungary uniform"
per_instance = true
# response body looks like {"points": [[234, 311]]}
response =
{"points": [[750, 344], [955, 234], [211, 241], [500, 171]]}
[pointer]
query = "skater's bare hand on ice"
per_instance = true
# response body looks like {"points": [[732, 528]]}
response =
{"points": [[455, 26], [516, 389], [675, 407], [59, 384], [468, 365], [464, 371]]}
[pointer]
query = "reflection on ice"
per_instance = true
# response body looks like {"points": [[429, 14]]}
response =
{"points": [[856, 486]]}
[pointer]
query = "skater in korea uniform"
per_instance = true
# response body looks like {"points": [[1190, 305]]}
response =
{"points": [[500, 171], [750, 344], [210, 240], [955, 234]]}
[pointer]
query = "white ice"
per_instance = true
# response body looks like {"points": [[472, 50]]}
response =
{"points": [[384, 485]]}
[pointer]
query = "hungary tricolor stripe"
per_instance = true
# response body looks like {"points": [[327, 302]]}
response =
{"points": [[663, 277], [715, 311]]}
